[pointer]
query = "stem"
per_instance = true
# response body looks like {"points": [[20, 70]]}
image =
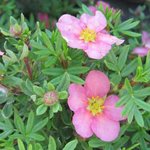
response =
{"points": [[26, 61]]}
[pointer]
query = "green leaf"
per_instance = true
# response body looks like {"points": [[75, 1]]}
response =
{"points": [[142, 92], [64, 82], [131, 34], [129, 68], [12, 55], [40, 125], [7, 110], [71, 145], [131, 114], [19, 123], [37, 137], [145, 106], [123, 100], [128, 86], [86, 10], [77, 70], [63, 95], [41, 109], [128, 24], [25, 52], [30, 122], [139, 118], [47, 42], [96, 143], [52, 143], [123, 57], [38, 90], [20, 145], [53, 71], [30, 147], [128, 107], [39, 46], [76, 79]]}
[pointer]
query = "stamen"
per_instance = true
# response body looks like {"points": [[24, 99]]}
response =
{"points": [[88, 35]]}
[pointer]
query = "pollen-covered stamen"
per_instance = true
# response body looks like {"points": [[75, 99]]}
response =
{"points": [[95, 105], [88, 35]]}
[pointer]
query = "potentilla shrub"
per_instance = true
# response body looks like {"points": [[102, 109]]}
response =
{"points": [[83, 86]]}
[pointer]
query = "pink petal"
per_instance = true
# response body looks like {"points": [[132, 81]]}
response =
{"points": [[82, 122], [77, 97], [104, 128], [92, 9], [109, 39], [111, 111], [1, 53], [97, 84], [97, 22], [97, 50], [74, 41], [145, 37], [85, 18], [147, 45], [70, 24], [141, 51]]}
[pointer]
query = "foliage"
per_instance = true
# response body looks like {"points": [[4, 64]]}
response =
{"points": [[37, 61]]}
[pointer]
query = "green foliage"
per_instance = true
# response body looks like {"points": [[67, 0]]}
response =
{"points": [[37, 62]]}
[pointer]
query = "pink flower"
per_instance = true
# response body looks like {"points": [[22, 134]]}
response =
{"points": [[94, 113], [143, 50], [1, 53], [88, 33], [43, 17], [105, 5]]}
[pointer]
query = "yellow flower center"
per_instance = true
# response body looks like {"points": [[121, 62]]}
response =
{"points": [[95, 105], [88, 35]]}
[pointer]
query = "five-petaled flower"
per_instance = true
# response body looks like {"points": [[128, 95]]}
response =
{"points": [[94, 112], [145, 48], [88, 34]]}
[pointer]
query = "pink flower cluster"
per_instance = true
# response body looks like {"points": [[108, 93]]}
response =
{"points": [[94, 112], [88, 34], [145, 48]]}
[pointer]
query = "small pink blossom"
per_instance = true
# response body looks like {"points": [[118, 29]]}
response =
{"points": [[94, 113], [105, 5], [88, 33], [1, 53], [145, 48], [43, 17]]}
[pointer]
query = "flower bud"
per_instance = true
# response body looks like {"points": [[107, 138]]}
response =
{"points": [[51, 97], [15, 30]]}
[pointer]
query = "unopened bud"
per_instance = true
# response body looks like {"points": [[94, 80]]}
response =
{"points": [[51, 97], [15, 30]]}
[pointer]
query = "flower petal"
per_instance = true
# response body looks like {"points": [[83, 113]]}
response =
{"points": [[82, 122], [97, 50], [97, 22], [1, 53], [85, 18], [109, 39], [77, 97], [104, 128], [69, 24], [97, 84], [141, 51], [145, 37], [111, 111], [92, 9]]}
